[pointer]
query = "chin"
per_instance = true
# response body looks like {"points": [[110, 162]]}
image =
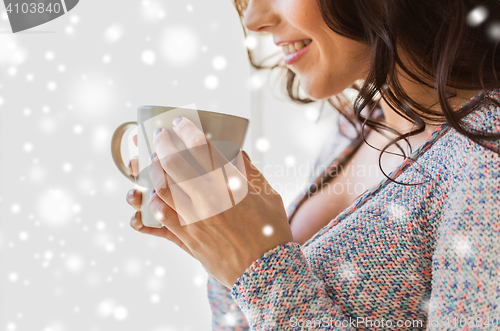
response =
{"points": [[320, 91]]}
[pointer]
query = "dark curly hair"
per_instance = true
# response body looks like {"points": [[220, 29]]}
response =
{"points": [[439, 43]]}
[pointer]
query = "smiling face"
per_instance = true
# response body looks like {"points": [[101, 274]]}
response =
{"points": [[329, 64]]}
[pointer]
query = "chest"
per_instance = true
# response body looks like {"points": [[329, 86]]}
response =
{"points": [[350, 180]]}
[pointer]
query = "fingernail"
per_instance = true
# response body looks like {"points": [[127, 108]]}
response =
{"points": [[152, 192], [131, 193], [158, 131], [176, 120]]}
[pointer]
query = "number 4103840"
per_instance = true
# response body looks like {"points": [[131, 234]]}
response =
{"points": [[33, 8]]}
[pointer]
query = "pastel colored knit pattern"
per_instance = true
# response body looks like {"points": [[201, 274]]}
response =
{"points": [[424, 257]]}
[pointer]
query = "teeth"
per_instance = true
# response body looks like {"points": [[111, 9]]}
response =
{"points": [[299, 45], [294, 47]]}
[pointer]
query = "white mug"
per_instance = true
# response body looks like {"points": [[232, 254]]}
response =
{"points": [[226, 132]]}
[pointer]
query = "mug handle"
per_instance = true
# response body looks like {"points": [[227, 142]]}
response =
{"points": [[116, 152], [148, 219]]}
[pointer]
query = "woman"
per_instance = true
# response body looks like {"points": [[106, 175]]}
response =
{"points": [[419, 249]]}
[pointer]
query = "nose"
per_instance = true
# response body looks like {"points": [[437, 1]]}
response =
{"points": [[260, 15]]}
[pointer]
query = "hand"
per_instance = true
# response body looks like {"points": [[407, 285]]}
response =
{"points": [[134, 198], [225, 238]]}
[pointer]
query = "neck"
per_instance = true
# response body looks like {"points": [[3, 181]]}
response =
{"points": [[425, 96]]}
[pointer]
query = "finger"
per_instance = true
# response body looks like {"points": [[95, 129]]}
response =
{"points": [[160, 181], [170, 192], [172, 160], [212, 159], [133, 166], [196, 142], [134, 198], [163, 232], [173, 196], [134, 138], [165, 214], [202, 149]]}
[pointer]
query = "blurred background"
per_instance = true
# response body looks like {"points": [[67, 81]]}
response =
{"points": [[69, 260]]}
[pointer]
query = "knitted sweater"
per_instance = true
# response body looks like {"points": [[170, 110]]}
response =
{"points": [[418, 257]]}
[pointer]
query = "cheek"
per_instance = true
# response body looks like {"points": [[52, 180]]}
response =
{"points": [[334, 68], [304, 16]]}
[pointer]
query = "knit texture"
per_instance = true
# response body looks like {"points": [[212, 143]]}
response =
{"points": [[423, 257]]}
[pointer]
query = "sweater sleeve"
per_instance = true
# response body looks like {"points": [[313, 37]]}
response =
{"points": [[226, 315], [466, 263], [279, 291]]}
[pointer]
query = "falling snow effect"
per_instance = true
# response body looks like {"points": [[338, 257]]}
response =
{"points": [[75, 19], [347, 271], [477, 16], [211, 82], [114, 33], [77, 129], [49, 55], [23, 236], [55, 207], [15, 208], [155, 298], [290, 160], [148, 57], [74, 263], [106, 58], [262, 144], [11, 53], [230, 319], [100, 136], [159, 271], [256, 81], [234, 183], [12, 71], [93, 97], [251, 42], [219, 63], [179, 45], [67, 167], [462, 245], [69, 30], [28, 147], [152, 10], [267, 230], [312, 113], [397, 211], [51, 86]]}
